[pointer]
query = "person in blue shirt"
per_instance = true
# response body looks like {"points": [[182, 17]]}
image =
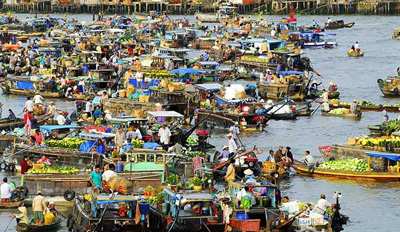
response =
{"points": [[278, 72], [205, 56], [251, 90], [97, 113], [96, 178], [270, 156]]}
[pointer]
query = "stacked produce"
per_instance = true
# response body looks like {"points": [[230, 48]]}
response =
{"points": [[54, 170], [362, 103], [391, 126], [73, 143], [192, 141], [255, 59], [284, 49], [339, 111], [379, 143], [137, 143], [196, 153], [158, 74], [350, 164]]}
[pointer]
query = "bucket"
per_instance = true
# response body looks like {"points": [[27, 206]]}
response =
{"points": [[120, 168], [101, 149], [144, 98], [242, 216]]}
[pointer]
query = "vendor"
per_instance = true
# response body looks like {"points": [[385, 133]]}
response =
{"points": [[224, 154], [321, 206], [21, 217], [230, 172], [44, 160], [309, 161]]}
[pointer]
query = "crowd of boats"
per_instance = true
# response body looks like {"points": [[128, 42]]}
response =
{"points": [[135, 154]]}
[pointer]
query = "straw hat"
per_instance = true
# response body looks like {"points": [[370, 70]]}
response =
{"points": [[314, 82], [270, 102], [158, 105], [39, 192], [23, 210], [224, 147], [248, 172], [331, 83], [107, 111]]}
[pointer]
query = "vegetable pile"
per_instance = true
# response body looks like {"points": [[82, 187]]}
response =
{"points": [[137, 143], [54, 169], [350, 164], [196, 153], [192, 141], [254, 59], [73, 143], [338, 111], [391, 126], [361, 103]]}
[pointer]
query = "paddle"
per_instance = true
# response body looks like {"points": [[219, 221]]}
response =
{"points": [[316, 109], [62, 215], [8, 224]]}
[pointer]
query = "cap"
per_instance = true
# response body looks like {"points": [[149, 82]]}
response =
{"points": [[229, 135]]}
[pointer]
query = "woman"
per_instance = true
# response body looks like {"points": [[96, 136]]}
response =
{"points": [[11, 115], [44, 160], [97, 113], [28, 124]]}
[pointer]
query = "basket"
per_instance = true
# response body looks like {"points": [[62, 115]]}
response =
{"points": [[38, 166], [122, 93], [121, 185], [144, 98], [268, 167], [68, 63], [240, 95]]}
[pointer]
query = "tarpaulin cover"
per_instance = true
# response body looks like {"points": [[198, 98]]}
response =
{"points": [[151, 145], [85, 147], [25, 85], [385, 156]]}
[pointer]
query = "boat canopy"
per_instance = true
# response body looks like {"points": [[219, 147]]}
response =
{"points": [[291, 73], [58, 127], [209, 63], [89, 136], [213, 87], [126, 119], [165, 114], [191, 197], [393, 157]]}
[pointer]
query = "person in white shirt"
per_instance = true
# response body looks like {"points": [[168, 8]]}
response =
{"points": [[138, 133], [61, 120], [139, 78], [309, 161], [165, 134], [231, 144], [38, 99], [329, 20], [89, 108], [108, 115], [356, 46], [109, 173], [6, 191], [29, 104], [321, 205], [273, 32]]}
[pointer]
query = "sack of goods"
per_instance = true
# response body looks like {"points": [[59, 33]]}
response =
{"points": [[120, 185]]}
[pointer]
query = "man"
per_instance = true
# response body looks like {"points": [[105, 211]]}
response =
{"points": [[271, 156], [104, 98], [121, 113], [61, 119], [165, 135], [385, 115], [232, 144], [309, 161], [109, 173], [38, 99], [6, 191], [321, 205], [177, 148], [325, 100], [119, 138], [137, 132], [329, 20], [29, 104], [354, 107], [51, 110], [139, 78], [96, 178], [235, 131], [39, 208], [332, 87], [279, 155], [89, 108]]}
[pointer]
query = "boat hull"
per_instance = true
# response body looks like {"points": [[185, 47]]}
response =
{"points": [[30, 93], [368, 108], [8, 205], [350, 116]]}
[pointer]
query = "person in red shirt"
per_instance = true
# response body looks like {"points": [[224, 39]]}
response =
{"points": [[24, 165], [38, 137], [28, 124]]}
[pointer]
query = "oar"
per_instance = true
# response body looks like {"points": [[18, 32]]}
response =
{"points": [[62, 215], [316, 109], [8, 224]]}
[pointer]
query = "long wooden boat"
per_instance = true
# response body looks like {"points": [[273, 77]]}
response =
{"points": [[23, 227], [30, 92], [13, 204], [392, 109], [338, 24], [10, 123], [390, 86], [375, 176], [352, 116]]}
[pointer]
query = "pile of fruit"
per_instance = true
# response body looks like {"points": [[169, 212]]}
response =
{"points": [[54, 170], [349, 164], [73, 143], [379, 142], [339, 111], [335, 101], [255, 59], [196, 153], [284, 49], [158, 74], [192, 141], [361, 103], [137, 143]]}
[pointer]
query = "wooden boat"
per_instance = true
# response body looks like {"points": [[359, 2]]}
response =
{"points": [[396, 34], [23, 227], [392, 109], [390, 86], [13, 204], [338, 24], [26, 87], [8, 123], [370, 175], [353, 53], [11, 47], [31, 93], [349, 115]]}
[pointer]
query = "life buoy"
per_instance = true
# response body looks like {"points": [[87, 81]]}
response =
{"points": [[23, 191], [69, 195]]}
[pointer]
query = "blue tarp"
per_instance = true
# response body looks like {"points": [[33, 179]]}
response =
{"points": [[150, 145], [25, 85], [394, 157], [183, 71], [57, 127], [291, 73], [87, 146]]}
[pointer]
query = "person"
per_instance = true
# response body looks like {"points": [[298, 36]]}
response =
{"points": [[309, 161], [110, 172], [325, 100], [121, 113], [29, 104], [39, 208], [51, 110], [137, 132], [22, 217], [314, 86], [279, 155], [6, 191], [1, 110], [232, 144], [332, 87], [273, 32], [354, 107], [385, 115], [357, 46], [104, 98], [278, 72], [81, 86], [24, 165], [89, 108], [165, 135], [321, 205], [28, 122], [139, 78], [271, 156], [119, 138], [288, 155], [97, 113], [11, 115], [329, 20], [44, 160], [235, 131], [95, 178], [38, 99], [230, 172], [61, 119], [224, 154], [38, 137], [108, 115]]}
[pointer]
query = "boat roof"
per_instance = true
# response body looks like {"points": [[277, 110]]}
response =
{"points": [[213, 87], [393, 157], [292, 73], [211, 63], [126, 119], [193, 196], [58, 127], [164, 114], [96, 135]]}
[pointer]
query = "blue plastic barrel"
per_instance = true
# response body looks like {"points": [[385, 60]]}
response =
{"points": [[242, 216], [101, 149], [120, 168]]}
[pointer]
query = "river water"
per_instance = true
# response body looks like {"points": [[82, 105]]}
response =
{"points": [[370, 206]]}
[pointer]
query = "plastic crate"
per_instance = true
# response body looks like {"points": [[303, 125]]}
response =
{"points": [[246, 225]]}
